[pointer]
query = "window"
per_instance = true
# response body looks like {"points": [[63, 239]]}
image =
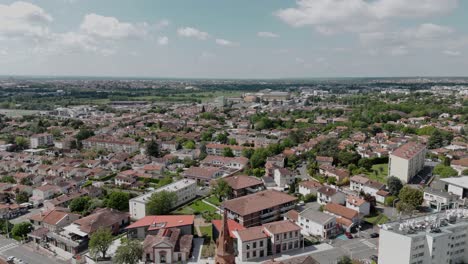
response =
{"points": [[284, 246], [261, 243], [247, 246], [254, 254], [285, 235], [248, 254], [296, 233], [254, 245], [261, 253], [296, 244]]}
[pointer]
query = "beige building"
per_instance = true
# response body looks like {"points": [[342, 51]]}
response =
{"points": [[406, 161]]}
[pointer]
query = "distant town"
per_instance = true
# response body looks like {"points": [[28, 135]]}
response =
{"points": [[350, 170]]}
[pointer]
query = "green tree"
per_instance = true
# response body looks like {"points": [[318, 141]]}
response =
{"points": [[222, 138], [8, 179], [118, 200], [80, 204], [22, 197], [19, 231], [21, 143], [445, 171], [84, 134], [410, 199], [227, 152], [152, 149], [394, 185], [161, 203], [100, 241], [221, 189], [5, 226], [129, 252], [346, 157], [345, 260], [189, 144]]}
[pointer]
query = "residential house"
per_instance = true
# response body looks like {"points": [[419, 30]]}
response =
{"points": [[326, 194], [168, 246], [152, 224], [309, 187], [316, 223], [358, 204]]}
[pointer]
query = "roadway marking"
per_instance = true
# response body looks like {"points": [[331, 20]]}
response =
{"points": [[7, 247]]}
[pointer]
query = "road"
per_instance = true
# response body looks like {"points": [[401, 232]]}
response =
{"points": [[303, 174], [10, 247]]}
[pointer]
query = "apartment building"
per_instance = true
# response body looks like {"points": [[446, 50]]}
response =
{"points": [[406, 161], [39, 140], [111, 144], [218, 149], [432, 239], [259, 208], [184, 189]]}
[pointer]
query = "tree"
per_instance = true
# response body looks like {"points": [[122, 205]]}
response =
{"points": [[445, 171], [100, 241], [22, 197], [346, 157], [410, 199], [84, 134], [189, 144], [5, 226], [8, 179], [129, 252], [19, 231], [161, 203], [118, 201], [227, 152], [152, 149], [345, 260], [222, 138], [221, 189], [79, 204], [21, 143], [394, 185]]}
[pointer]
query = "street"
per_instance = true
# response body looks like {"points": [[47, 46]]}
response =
{"points": [[10, 247]]}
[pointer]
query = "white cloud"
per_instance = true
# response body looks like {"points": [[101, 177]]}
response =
{"points": [[265, 34], [227, 43], [452, 53], [163, 40], [110, 27], [21, 19], [399, 42], [162, 24], [330, 16], [191, 32]]}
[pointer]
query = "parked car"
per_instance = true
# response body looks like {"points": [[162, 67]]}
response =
{"points": [[374, 235], [348, 235]]}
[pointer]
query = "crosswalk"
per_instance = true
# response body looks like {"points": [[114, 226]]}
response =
{"points": [[6, 247], [367, 243]]}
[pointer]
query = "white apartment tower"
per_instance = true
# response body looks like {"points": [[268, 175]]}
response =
{"points": [[440, 238], [406, 161]]}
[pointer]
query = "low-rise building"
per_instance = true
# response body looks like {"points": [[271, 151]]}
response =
{"points": [[259, 208], [309, 187], [316, 223], [168, 246], [326, 194], [242, 185], [152, 224], [439, 199], [185, 191], [41, 140], [283, 177], [358, 204]]}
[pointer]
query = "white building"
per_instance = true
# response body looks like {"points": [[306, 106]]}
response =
{"points": [[316, 223], [439, 199], [357, 204], [406, 161], [457, 185], [38, 140], [435, 239], [184, 189], [283, 177]]}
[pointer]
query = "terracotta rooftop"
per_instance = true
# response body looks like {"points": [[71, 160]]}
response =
{"points": [[242, 181], [280, 227], [163, 221], [252, 233], [311, 184], [340, 210], [232, 226], [258, 201], [408, 150]]}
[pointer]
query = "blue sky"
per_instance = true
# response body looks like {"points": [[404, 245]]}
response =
{"points": [[234, 39]]}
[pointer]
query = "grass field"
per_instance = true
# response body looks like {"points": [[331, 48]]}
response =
{"points": [[213, 200], [377, 219], [206, 232], [379, 172], [196, 208]]}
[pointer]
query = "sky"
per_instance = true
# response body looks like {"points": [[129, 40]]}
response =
{"points": [[234, 39]]}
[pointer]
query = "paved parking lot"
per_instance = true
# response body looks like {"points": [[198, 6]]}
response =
{"points": [[358, 248], [10, 247]]}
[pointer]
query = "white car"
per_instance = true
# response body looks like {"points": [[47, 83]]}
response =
{"points": [[10, 258]]}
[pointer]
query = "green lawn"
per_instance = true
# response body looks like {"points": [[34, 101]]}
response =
{"points": [[196, 207], [212, 199], [379, 172], [377, 219], [206, 232]]}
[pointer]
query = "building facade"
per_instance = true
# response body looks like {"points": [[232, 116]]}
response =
{"points": [[406, 161]]}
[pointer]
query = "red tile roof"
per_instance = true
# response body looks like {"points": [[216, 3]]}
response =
{"points": [[408, 150], [232, 226], [163, 221], [257, 202]]}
